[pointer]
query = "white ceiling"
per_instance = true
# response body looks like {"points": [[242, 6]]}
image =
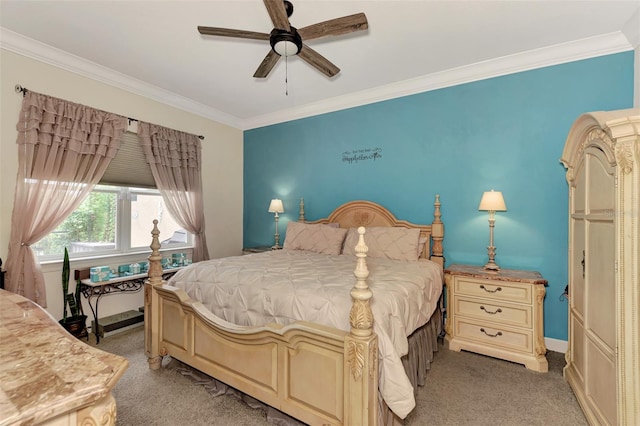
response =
{"points": [[153, 48]]}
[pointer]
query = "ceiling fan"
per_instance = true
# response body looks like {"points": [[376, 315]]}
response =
{"points": [[287, 40]]}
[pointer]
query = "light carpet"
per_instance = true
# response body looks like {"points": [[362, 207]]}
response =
{"points": [[462, 389]]}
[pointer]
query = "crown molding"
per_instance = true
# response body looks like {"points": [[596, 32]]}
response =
{"points": [[591, 47], [38, 51], [538, 58]]}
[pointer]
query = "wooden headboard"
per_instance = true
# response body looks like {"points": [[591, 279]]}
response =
{"points": [[368, 213]]}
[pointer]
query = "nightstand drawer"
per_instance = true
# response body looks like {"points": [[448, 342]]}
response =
{"points": [[499, 290], [503, 313], [487, 333]]}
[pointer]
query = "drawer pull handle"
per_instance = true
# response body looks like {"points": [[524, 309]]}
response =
{"points": [[490, 291], [497, 311], [499, 333]]}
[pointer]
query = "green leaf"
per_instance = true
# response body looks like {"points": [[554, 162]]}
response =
{"points": [[65, 282]]}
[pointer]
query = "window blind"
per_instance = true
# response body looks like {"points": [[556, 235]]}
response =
{"points": [[129, 167]]}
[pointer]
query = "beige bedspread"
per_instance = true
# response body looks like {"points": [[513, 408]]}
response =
{"points": [[284, 286]]}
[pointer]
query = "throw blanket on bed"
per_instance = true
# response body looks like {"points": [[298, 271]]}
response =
{"points": [[284, 286]]}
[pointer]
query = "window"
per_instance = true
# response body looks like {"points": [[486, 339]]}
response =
{"points": [[113, 220]]}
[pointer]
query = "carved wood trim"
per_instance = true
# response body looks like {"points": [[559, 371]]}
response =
{"points": [[624, 157], [102, 413], [355, 358], [373, 359], [606, 130]]}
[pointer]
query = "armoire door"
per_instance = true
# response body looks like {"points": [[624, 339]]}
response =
{"points": [[602, 157], [592, 319]]}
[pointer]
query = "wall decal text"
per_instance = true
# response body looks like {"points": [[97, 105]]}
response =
{"points": [[365, 154]]}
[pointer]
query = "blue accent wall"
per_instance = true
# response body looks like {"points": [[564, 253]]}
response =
{"points": [[505, 133]]}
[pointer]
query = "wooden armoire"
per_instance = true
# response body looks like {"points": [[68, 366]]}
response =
{"points": [[602, 157]]}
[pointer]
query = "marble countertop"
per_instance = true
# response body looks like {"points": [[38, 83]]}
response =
{"points": [[516, 275], [45, 371]]}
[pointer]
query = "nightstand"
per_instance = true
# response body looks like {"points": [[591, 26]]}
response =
{"points": [[260, 249], [497, 313]]}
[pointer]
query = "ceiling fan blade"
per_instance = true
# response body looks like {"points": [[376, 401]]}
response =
{"points": [[278, 14], [267, 64], [318, 61], [225, 32], [337, 26]]}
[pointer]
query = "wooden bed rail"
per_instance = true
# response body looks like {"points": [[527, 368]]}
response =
{"points": [[314, 373]]}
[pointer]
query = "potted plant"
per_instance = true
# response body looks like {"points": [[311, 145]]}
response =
{"points": [[76, 323]]}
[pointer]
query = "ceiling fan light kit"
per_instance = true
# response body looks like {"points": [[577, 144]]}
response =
{"points": [[285, 43], [286, 40]]}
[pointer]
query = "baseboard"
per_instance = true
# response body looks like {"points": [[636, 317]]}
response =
{"points": [[556, 345], [118, 330]]}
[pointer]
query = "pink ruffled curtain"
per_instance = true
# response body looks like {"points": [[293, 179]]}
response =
{"points": [[174, 158], [63, 150]]}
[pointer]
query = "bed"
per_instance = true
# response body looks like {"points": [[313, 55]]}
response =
{"points": [[343, 359]]}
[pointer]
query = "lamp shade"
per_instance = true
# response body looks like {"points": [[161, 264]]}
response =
{"points": [[276, 206], [492, 201]]}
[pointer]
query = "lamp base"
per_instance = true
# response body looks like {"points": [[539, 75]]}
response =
{"points": [[276, 247], [492, 266], [491, 251]]}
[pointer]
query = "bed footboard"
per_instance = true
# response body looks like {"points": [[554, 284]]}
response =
{"points": [[317, 374]]}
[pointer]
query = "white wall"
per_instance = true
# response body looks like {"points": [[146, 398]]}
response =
{"points": [[631, 30], [222, 151]]}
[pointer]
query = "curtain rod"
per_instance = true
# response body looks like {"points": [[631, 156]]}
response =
{"points": [[24, 90]]}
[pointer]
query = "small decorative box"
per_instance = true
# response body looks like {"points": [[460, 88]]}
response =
{"points": [[177, 259], [134, 268], [123, 270], [99, 273]]}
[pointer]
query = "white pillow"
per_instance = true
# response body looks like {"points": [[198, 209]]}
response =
{"points": [[421, 245], [386, 242], [318, 238]]}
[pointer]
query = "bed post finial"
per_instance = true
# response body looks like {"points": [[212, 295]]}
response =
{"points": [[437, 233], [360, 317], [301, 217], [155, 258]]}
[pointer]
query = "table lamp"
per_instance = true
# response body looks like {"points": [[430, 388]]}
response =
{"points": [[492, 201], [276, 207]]}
